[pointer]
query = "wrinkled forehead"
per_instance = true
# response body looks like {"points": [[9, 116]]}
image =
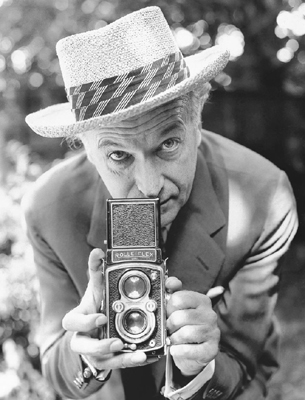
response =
{"points": [[156, 121]]}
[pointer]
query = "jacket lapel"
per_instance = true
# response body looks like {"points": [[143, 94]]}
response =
{"points": [[196, 240]]}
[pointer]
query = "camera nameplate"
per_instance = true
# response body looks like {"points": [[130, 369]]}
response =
{"points": [[148, 255]]}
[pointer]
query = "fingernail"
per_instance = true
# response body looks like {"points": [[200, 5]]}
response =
{"points": [[117, 345], [100, 321], [215, 291], [151, 360], [138, 357]]}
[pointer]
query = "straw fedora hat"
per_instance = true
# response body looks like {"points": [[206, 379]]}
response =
{"points": [[128, 67]]}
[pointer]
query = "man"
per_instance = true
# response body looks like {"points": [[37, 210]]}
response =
{"points": [[227, 216]]}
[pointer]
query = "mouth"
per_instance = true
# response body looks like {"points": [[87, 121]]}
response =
{"points": [[164, 202], [165, 206]]}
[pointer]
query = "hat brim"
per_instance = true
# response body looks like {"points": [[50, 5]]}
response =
{"points": [[59, 121]]}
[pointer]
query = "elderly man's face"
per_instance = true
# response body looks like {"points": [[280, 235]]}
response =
{"points": [[152, 155]]}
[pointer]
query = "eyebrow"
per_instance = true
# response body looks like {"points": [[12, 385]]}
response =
{"points": [[111, 142], [175, 125], [107, 143]]}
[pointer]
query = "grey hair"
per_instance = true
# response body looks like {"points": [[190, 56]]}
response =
{"points": [[194, 101]]}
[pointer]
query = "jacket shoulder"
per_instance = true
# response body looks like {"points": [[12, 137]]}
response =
{"points": [[259, 194], [60, 185], [224, 153]]}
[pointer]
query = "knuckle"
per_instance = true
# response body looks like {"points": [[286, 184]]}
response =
{"points": [[175, 300], [213, 318], [210, 351], [180, 337], [128, 360], [180, 298], [68, 320], [207, 302], [182, 351], [174, 350], [193, 334], [133, 363], [73, 342], [217, 335], [176, 320], [175, 338], [213, 337], [101, 347]]}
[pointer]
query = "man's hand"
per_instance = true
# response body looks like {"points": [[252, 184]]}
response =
{"points": [[193, 331], [86, 318]]}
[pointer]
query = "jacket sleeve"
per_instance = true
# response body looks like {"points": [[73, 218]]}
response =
{"points": [[248, 346], [58, 295]]}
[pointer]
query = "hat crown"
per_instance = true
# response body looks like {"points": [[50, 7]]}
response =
{"points": [[122, 70], [129, 43]]}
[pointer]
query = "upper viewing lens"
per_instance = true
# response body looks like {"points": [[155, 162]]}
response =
{"points": [[134, 287]]}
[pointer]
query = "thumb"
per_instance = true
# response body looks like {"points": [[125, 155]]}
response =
{"points": [[94, 294], [86, 316], [95, 263], [77, 321]]}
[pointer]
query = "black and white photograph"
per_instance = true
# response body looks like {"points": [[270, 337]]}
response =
{"points": [[152, 199]]}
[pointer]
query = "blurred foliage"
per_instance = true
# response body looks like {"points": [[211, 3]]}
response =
{"points": [[266, 39], [19, 314], [30, 29]]}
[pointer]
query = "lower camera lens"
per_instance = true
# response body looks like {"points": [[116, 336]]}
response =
{"points": [[134, 287], [135, 322]]}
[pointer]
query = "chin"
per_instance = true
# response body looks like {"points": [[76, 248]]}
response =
{"points": [[168, 217], [170, 210]]}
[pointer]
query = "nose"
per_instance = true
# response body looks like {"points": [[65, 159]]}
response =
{"points": [[148, 178]]}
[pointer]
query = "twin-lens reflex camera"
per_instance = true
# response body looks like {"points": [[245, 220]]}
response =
{"points": [[135, 273]]}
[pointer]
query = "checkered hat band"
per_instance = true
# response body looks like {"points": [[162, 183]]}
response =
{"points": [[116, 93]]}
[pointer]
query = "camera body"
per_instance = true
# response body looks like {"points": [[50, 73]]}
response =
{"points": [[135, 275]]}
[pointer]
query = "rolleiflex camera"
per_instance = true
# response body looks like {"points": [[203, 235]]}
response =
{"points": [[135, 275]]}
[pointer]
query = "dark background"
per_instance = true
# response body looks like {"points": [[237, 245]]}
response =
{"points": [[257, 101]]}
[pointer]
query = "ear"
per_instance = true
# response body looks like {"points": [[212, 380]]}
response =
{"points": [[199, 134], [89, 156], [84, 140]]}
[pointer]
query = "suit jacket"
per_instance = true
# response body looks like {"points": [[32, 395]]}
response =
{"points": [[237, 223]]}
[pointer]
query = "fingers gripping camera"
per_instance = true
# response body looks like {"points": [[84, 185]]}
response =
{"points": [[135, 275]]}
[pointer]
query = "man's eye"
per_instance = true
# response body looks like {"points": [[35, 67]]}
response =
{"points": [[119, 156], [170, 144]]}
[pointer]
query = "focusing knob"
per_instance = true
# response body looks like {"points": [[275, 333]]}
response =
{"points": [[118, 306], [151, 306]]}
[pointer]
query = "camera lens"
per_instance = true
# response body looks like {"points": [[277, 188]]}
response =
{"points": [[135, 322], [134, 287]]}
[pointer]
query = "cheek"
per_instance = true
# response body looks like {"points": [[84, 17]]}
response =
{"points": [[117, 184], [186, 181], [185, 170]]}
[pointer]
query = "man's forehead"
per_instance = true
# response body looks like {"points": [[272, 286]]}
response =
{"points": [[175, 107], [158, 121]]}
